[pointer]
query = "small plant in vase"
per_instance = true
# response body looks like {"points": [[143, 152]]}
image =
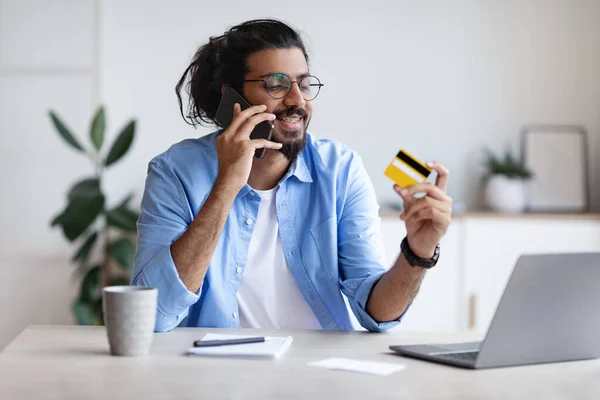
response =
{"points": [[506, 178], [87, 220]]}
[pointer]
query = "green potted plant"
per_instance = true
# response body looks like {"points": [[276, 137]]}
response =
{"points": [[506, 180], [104, 236]]}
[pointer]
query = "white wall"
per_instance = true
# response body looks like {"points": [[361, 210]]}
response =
{"points": [[439, 78], [46, 61]]}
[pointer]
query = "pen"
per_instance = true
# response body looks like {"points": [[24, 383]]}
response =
{"points": [[227, 342]]}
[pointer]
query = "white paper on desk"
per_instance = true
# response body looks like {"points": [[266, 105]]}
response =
{"points": [[272, 348], [368, 367]]}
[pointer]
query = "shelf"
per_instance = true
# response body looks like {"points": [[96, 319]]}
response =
{"points": [[387, 213]]}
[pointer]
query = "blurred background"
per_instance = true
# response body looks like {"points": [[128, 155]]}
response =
{"points": [[443, 79]]}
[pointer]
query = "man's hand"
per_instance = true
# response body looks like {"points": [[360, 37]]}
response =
{"points": [[235, 148], [193, 251], [426, 218]]}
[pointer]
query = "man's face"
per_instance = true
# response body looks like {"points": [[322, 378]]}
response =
{"points": [[292, 111]]}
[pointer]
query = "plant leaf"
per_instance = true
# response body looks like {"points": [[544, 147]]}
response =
{"points": [[90, 286], [121, 144], [83, 313], [65, 132], [89, 187], [123, 218], [120, 281], [123, 251], [57, 219], [507, 164], [97, 312], [85, 202], [79, 215], [84, 251], [97, 129], [125, 202], [81, 271]]}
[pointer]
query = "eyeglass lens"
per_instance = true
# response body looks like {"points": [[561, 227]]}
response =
{"points": [[279, 85]]}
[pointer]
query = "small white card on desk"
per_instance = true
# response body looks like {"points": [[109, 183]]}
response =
{"points": [[368, 367]]}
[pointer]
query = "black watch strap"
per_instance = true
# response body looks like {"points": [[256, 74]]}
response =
{"points": [[415, 261]]}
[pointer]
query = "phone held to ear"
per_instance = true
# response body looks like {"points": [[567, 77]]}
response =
{"points": [[224, 116]]}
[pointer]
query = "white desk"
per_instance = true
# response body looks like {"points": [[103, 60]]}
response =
{"points": [[70, 362]]}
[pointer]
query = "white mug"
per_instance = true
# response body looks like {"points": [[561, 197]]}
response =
{"points": [[129, 316]]}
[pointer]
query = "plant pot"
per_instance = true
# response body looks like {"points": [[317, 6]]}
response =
{"points": [[505, 194]]}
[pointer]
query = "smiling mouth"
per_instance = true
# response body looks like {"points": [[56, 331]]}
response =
{"points": [[290, 119], [291, 123]]}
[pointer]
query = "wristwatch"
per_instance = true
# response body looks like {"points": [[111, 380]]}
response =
{"points": [[415, 261]]}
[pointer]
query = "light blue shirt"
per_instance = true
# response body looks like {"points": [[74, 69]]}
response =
{"points": [[328, 223]]}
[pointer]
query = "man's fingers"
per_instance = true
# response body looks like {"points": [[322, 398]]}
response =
{"points": [[434, 215], [264, 143], [241, 117], [236, 109], [442, 178], [425, 203], [425, 187], [247, 127]]}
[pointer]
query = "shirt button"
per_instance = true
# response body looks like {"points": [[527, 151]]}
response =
{"points": [[252, 194], [238, 270], [234, 315], [292, 253], [249, 221]]}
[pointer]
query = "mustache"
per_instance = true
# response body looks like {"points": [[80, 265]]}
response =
{"points": [[301, 112]]}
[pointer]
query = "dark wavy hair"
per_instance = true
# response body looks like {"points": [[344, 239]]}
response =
{"points": [[224, 60]]}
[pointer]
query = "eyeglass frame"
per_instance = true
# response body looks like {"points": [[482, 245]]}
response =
{"points": [[320, 85]]}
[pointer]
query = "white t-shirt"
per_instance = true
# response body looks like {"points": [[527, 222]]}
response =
{"points": [[268, 295]]}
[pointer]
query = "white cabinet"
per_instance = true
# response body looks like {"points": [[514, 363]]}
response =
{"points": [[478, 254], [492, 245]]}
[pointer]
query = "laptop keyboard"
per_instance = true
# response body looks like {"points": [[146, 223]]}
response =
{"points": [[468, 356]]}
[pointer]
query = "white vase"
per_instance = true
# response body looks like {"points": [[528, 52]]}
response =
{"points": [[505, 194]]}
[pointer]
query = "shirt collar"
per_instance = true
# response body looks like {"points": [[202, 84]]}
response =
{"points": [[299, 169]]}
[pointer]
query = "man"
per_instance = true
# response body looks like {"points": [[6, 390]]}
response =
{"points": [[231, 240]]}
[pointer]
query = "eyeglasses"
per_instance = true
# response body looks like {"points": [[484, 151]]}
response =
{"points": [[279, 85]]}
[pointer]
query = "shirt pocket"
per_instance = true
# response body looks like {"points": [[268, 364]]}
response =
{"points": [[324, 235]]}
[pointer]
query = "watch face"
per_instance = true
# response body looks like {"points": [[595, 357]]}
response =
{"points": [[436, 254]]}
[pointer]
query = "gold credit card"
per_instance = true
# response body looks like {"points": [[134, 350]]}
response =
{"points": [[406, 170]]}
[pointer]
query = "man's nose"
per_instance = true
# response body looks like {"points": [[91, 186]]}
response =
{"points": [[294, 97]]}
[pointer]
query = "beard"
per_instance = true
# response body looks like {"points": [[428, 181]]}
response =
{"points": [[293, 141]]}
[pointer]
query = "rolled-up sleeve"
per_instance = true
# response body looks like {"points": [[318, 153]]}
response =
{"points": [[164, 217], [360, 245]]}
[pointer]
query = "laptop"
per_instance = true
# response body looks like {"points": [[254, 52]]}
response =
{"points": [[549, 312]]}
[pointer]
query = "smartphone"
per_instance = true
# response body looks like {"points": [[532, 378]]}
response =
{"points": [[224, 116]]}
